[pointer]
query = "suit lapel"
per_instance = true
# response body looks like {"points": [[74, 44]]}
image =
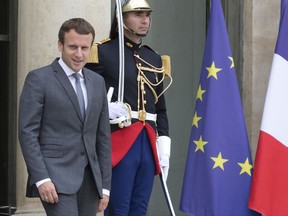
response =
{"points": [[65, 82]]}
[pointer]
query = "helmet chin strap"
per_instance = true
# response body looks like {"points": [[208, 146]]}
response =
{"points": [[133, 32]]}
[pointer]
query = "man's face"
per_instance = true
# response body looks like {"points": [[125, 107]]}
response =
{"points": [[138, 22], [76, 49]]}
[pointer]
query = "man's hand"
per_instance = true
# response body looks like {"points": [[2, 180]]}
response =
{"points": [[103, 203], [48, 192], [119, 113], [117, 110]]}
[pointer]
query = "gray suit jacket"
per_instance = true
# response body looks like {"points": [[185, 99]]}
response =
{"points": [[55, 142]]}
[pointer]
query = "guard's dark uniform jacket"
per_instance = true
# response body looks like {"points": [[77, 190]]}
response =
{"points": [[104, 60]]}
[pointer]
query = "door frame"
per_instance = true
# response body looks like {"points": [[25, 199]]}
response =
{"points": [[11, 38]]}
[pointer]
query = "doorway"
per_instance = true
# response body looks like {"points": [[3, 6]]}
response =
{"points": [[178, 30], [8, 40]]}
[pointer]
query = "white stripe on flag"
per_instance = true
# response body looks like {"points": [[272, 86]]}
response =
{"points": [[275, 115]]}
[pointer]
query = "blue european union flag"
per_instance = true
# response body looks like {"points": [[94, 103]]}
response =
{"points": [[219, 166]]}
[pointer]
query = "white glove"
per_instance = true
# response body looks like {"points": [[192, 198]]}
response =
{"points": [[164, 146], [119, 114], [117, 110]]}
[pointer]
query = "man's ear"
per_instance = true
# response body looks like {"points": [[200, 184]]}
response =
{"points": [[60, 46]]}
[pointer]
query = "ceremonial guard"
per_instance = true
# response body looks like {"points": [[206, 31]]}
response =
{"points": [[140, 138]]}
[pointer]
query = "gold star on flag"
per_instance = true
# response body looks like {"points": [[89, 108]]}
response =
{"points": [[196, 119], [246, 167], [200, 93], [200, 144], [232, 62], [212, 71], [219, 161]]}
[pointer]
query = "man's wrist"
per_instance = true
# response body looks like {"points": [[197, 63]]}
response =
{"points": [[42, 182], [106, 192]]}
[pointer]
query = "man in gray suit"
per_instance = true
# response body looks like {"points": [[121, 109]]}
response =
{"points": [[66, 143]]}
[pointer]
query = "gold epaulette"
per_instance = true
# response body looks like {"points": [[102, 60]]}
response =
{"points": [[104, 40], [166, 64], [93, 58]]}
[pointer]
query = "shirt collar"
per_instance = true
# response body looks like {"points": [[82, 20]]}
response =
{"points": [[68, 70]]}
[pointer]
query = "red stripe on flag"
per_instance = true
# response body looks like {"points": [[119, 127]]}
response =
{"points": [[269, 189]]}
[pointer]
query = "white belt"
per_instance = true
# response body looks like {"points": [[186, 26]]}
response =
{"points": [[147, 116]]}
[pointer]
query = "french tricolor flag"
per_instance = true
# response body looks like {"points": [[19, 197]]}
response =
{"points": [[269, 189]]}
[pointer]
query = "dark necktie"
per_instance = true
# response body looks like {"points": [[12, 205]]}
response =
{"points": [[79, 93]]}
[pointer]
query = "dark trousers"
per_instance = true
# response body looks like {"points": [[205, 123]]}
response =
{"points": [[132, 180], [83, 203]]}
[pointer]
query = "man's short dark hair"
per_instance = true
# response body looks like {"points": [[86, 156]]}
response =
{"points": [[80, 25]]}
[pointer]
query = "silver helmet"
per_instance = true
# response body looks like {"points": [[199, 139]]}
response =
{"points": [[136, 5]]}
